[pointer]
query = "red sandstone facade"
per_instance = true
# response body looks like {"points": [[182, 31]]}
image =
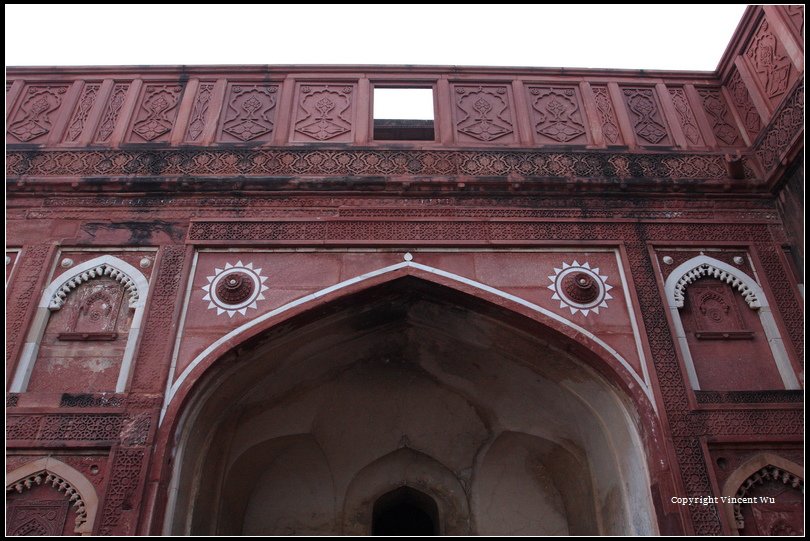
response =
{"points": [[187, 245]]}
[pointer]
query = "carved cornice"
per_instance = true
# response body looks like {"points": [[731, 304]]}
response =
{"points": [[274, 162]]}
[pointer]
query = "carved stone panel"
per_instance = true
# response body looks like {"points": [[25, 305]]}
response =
{"points": [[155, 113], [36, 113], [37, 517], [558, 117], [686, 117], [84, 340], [249, 113], [745, 107], [483, 114], [78, 121], [43, 504], [607, 116], [200, 113], [112, 110], [324, 112], [720, 117], [646, 116], [714, 312], [770, 63], [726, 340]]}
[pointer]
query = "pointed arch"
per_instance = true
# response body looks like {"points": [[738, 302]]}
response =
{"points": [[53, 298], [701, 266], [180, 384], [50, 471], [760, 467]]}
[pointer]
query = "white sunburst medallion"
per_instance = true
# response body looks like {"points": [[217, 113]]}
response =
{"points": [[580, 288], [234, 288]]}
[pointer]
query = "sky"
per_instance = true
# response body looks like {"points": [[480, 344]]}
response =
{"points": [[672, 37], [615, 36]]}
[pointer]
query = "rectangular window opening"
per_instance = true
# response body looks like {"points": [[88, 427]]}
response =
{"points": [[403, 114]]}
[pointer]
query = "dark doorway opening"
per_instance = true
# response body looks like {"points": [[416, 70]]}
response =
{"points": [[405, 511]]}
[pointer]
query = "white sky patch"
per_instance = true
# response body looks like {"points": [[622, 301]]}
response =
{"points": [[594, 36], [389, 103]]}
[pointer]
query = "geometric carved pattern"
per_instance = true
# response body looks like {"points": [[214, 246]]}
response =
{"points": [[720, 116], [156, 112], [23, 290], [359, 162], [758, 478], [153, 363], [324, 113], [64, 426], [122, 488], [483, 112], [249, 112], [707, 269], [685, 116], [88, 98], [770, 63], [647, 121], [35, 115], [199, 112], [557, 115], [790, 309], [745, 107], [60, 485], [36, 517], [105, 269], [110, 116], [787, 123], [607, 117]]}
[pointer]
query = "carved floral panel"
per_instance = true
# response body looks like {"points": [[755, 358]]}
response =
{"points": [[646, 116], [81, 113], [558, 117], [36, 113], [607, 115], [745, 107], [156, 113], [770, 63], [483, 114], [199, 118], [720, 117], [324, 112], [249, 113], [686, 117]]}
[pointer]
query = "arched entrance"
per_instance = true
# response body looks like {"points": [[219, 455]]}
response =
{"points": [[405, 511], [402, 397]]}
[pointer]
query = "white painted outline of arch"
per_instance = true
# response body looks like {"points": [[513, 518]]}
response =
{"points": [[175, 387], [76, 479], [31, 347], [756, 299]]}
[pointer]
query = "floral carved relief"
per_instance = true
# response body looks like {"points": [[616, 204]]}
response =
{"points": [[557, 114], [156, 113], [483, 113], [249, 113], [36, 113], [324, 113]]}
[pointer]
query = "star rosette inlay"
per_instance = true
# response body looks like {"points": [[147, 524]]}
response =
{"points": [[580, 288], [234, 288]]}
